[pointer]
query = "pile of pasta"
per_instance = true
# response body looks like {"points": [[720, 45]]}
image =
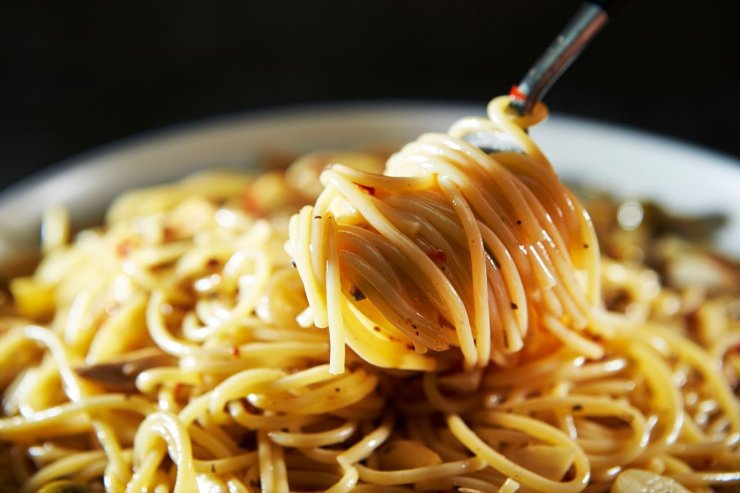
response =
{"points": [[444, 321]]}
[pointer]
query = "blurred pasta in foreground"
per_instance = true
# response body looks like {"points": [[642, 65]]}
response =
{"points": [[450, 325]]}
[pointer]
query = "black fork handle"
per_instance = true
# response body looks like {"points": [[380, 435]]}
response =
{"points": [[575, 36]]}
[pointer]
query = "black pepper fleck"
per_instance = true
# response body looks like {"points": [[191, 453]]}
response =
{"points": [[357, 294]]}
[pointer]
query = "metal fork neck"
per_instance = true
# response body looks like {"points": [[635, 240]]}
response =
{"points": [[566, 47]]}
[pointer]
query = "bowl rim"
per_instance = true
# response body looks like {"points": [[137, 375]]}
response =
{"points": [[20, 227], [288, 112]]}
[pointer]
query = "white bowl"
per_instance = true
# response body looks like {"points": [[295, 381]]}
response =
{"points": [[626, 162]]}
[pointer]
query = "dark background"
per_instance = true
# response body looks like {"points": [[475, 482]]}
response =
{"points": [[76, 75]]}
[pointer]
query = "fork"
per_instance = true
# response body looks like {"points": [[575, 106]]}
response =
{"points": [[562, 51]]}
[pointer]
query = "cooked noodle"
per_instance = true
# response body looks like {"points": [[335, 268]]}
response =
{"points": [[447, 325], [449, 248]]}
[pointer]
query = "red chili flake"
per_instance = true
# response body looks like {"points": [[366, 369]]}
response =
{"points": [[250, 204], [366, 189], [178, 390], [170, 233], [235, 351], [124, 248], [436, 255]]}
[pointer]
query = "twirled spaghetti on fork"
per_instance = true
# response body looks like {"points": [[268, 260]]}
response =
{"points": [[443, 321]]}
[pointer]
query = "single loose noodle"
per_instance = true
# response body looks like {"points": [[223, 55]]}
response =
{"points": [[448, 325]]}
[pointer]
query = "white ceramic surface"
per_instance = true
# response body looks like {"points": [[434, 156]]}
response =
{"points": [[626, 162]]}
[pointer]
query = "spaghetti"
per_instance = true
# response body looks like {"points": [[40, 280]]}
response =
{"points": [[447, 325], [449, 248]]}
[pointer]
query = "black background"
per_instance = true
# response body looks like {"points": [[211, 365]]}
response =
{"points": [[76, 75]]}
